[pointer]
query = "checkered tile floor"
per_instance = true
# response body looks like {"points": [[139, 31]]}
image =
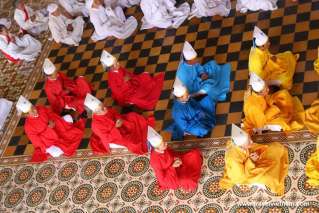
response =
{"points": [[292, 27]]}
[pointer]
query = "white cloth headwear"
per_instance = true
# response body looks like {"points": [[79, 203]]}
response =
{"points": [[256, 82], [239, 136], [89, 4], [188, 51], [178, 88], [92, 102], [153, 137], [52, 8], [48, 67], [68, 118], [23, 105], [260, 37], [107, 59], [5, 22]]}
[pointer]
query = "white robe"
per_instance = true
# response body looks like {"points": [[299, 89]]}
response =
{"points": [[108, 22], [244, 5], [58, 27], [74, 7], [39, 25], [25, 48], [163, 13], [204, 8], [121, 3], [5, 108]]}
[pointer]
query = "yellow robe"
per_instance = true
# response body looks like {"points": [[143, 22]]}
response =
{"points": [[279, 108], [316, 65], [312, 117], [282, 69], [312, 168], [270, 169]]}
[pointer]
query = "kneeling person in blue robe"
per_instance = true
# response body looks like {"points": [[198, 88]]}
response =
{"points": [[211, 79], [194, 116]]}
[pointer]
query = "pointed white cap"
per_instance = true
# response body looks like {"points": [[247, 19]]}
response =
{"points": [[153, 137], [188, 51], [68, 118], [178, 88], [107, 59], [52, 8], [92, 102], [23, 105], [48, 67], [5, 22], [256, 82], [239, 136], [260, 36]]}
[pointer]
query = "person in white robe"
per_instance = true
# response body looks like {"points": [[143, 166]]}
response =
{"points": [[109, 22], [75, 7], [5, 108], [30, 21], [65, 30], [15, 48], [163, 13], [205, 8], [121, 3], [254, 5]]}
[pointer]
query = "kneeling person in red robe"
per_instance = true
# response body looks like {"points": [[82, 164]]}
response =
{"points": [[110, 129], [174, 170], [48, 132], [141, 90], [62, 92]]}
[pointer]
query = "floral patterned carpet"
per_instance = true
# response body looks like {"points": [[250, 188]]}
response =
{"points": [[127, 184]]}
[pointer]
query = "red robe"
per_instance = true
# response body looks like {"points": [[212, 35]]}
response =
{"points": [[64, 91], [185, 176], [66, 136], [141, 90], [132, 134]]}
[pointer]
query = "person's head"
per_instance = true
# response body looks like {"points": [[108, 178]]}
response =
{"points": [[109, 61], [189, 53], [25, 106], [3, 30], [18, 3], [156, 140], [180, 91], [49, 69], [258, 85], [53, 9], [94, 104], [239, 137], [261, 40]]}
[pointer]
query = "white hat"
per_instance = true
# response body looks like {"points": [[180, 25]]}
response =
{"points": [[239, 136], [260, 36], [68, 118], [178, 88], [89, 4], [92, 102], [52, 8], [153, 137], [256, 82], [5, 22], [23, 105], [48, 67], [107, 59], [188, 51]]}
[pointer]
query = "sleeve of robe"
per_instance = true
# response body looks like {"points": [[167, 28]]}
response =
{"points": [[19, 17], [36, 140], [256, 62], [59, 35], [255, 114], [55, 99], [164, 171], [99, 25], [67, 82], [118, 86]]}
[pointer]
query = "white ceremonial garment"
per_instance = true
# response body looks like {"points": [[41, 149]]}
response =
{"points": [[39, 25], [23, 48], [108, 22], [58, 27], [121, 3], [163, 13], [204, 8], [244, 5], [74, 7], [5, 108]]}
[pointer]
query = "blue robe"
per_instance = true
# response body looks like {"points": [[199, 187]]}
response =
{"points": [[216, 86], [193, 117]]}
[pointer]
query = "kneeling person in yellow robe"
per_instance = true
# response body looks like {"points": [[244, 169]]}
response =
{"points": [[252, 164], [312, 117], [275, 112], [276, 69], [312, 168]]}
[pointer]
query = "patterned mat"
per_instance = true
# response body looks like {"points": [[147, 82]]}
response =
{"points": [[292, 27], [127, 184]]}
